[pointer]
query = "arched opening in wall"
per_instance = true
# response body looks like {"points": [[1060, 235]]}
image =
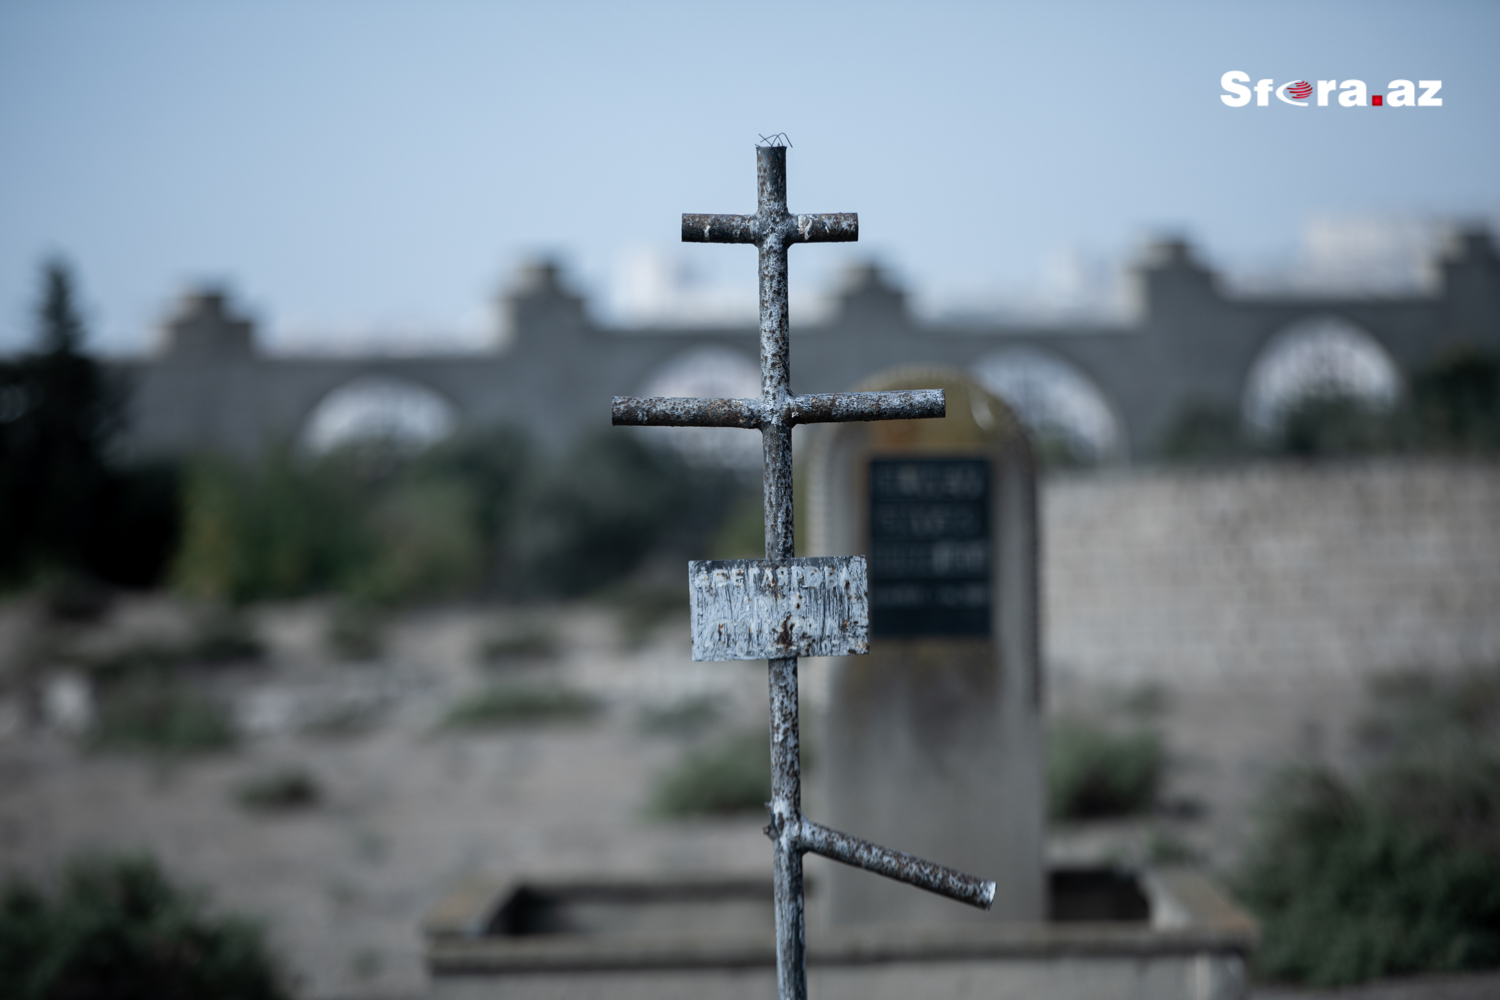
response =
{"points": [[1067, 415], [1320, 358], [379, 409], [703, 372]]}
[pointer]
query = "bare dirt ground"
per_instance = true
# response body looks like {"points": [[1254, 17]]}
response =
{"points": [[409, 808]]}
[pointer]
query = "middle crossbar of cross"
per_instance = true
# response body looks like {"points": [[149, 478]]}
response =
{"points": [[773, 230]]}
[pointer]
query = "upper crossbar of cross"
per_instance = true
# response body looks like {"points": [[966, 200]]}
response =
{"points": [[773, 229]]}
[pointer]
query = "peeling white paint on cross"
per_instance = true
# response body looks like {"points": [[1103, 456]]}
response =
{"points": [[782, 607]]}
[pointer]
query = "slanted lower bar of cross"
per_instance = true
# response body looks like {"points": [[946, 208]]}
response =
{"points": [[772, 229]]}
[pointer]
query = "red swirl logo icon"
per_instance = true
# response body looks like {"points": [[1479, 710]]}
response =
{"points": [[1301, 90]]}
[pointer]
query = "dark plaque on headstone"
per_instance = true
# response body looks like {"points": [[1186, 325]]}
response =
{"points": [[929, 546]]}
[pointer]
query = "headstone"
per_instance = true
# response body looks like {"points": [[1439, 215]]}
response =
{"points": [[932, 743]]}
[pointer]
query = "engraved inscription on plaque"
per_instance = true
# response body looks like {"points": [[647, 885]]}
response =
{"points": [[751, 609], [929, 546]]}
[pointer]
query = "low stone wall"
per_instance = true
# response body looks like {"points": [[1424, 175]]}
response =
{"points": [[1279, 571], [696, 940]]}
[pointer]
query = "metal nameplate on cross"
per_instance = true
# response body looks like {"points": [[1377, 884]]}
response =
{"points": [[755, 609], [782, 607]]}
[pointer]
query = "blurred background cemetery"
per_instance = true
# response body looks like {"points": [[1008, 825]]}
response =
{"points": [[328, 615]]}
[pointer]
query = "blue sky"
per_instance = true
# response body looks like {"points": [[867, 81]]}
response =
{"points": [[375, 167]]}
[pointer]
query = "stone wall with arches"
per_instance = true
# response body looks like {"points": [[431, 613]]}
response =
{"points": [[1061, 405], [708, 371], [1318, 356], [387, 409], [1109, 392]]}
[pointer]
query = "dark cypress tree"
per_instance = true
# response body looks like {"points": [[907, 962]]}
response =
{"points": [[58, 414]]}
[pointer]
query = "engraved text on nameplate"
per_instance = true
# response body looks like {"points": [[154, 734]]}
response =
{"points": [[929, 546], [752, 609]]}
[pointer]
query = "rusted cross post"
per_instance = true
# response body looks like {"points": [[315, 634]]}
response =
{"points": [[784, 607]]}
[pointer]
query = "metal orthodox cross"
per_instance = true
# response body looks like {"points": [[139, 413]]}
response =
{"points": [[782, 607]]}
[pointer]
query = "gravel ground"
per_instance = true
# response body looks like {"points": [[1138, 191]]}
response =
{"points": [[409, 808]]}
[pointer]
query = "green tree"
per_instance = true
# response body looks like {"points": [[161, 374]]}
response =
{"points": [[58, 415], [281, 527], [1203, 431], [1455, 402], [612, 501]]}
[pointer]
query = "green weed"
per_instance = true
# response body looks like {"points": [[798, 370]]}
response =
{"points": [[1094, 772], [512, 705], [223, 637], [282, 790], [528, 642], [355, 631], [687, 717], [731, 776], [641, 610], [1396, 870], [161, 716], [119, 929], [346, 719], [1166, 848]]}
